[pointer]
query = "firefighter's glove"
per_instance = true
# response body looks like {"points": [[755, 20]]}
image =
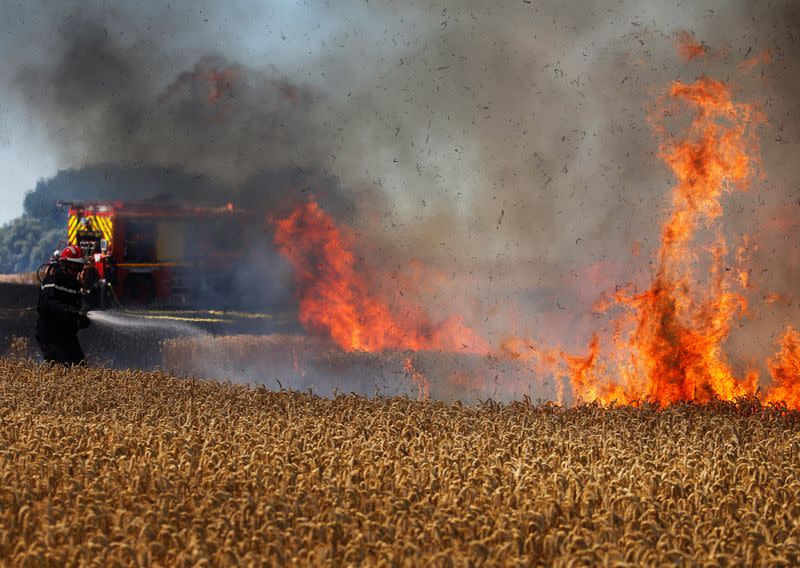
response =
{"points": [[84, 321]]}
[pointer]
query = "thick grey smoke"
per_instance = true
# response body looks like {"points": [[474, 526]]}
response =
{"points": [[505, 144], [108, 103]]}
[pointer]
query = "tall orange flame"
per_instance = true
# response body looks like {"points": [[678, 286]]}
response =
{"points": [[336, 299], [667, 341]]}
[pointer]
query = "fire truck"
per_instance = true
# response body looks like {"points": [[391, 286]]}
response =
{"points": [[155, 252]]}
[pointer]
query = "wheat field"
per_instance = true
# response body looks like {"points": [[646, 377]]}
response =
{"points": [[23, 278], [106, 467]]}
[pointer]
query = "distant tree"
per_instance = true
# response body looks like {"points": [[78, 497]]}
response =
{"points": [[25, 243]]}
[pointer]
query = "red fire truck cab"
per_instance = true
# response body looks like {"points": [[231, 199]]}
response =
{"points": [[148, 252]]}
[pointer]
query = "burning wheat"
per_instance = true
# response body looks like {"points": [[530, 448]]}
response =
{"points": [[132, 467], [665, 344]]}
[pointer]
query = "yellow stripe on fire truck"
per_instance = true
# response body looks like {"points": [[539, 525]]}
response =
{"points": [[72, 229], [104, 224]]}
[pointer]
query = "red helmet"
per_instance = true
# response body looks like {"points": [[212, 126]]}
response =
{"points": [[72, 254]]}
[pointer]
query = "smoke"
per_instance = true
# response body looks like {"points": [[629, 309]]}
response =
{"points": [[506, 145], [102, 102]]}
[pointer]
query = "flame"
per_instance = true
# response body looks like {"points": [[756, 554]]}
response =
{"points": [[666, 342], [688, 47], [662, 345], [785, 370], [673, 348], [336, 299]]}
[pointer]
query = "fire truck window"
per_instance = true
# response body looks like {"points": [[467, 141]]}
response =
{"points": [[140, 241]]}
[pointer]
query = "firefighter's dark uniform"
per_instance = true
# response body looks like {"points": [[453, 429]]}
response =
{"points": [[60, 318]]}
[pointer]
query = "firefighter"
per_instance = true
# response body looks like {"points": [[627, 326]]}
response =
{"points": [[60, 314]]}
